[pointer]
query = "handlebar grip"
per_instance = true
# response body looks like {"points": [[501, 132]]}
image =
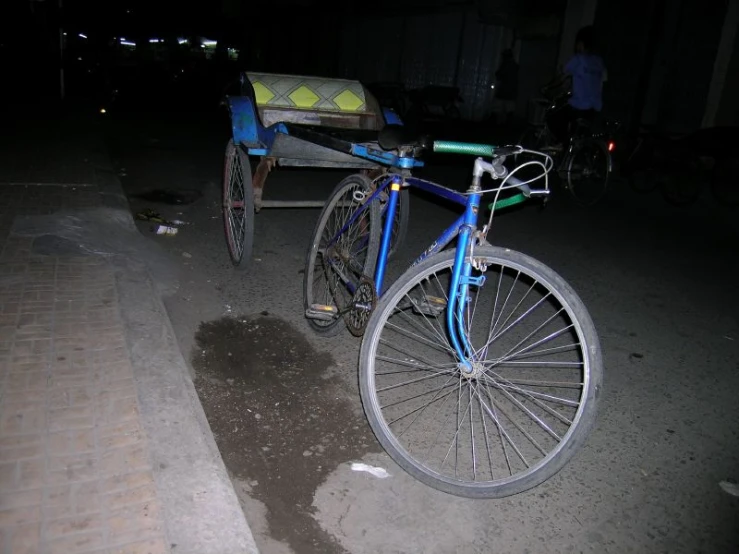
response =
{"points": [[451, 147]]}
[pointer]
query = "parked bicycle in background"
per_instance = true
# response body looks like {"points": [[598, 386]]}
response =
{"points": [[584, 163], [572, 128], [682, 166]]}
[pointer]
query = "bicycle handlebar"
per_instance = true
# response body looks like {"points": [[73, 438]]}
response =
{"points": [[474, 149], [451, 147], [494, 168]]}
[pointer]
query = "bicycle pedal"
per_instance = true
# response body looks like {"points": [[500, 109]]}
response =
{"points": [[322, 312], [429, 305]]}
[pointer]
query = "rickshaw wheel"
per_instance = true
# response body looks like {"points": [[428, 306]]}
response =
{"points": [[238, 205]]}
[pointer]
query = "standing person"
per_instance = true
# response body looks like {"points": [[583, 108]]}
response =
{"points": [[506, 87], [586, 73]]}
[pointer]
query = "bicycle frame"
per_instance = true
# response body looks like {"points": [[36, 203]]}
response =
{"points": [[462, 228]]}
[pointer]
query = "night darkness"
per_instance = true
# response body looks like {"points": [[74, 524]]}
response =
{"points": [[167, 166]]}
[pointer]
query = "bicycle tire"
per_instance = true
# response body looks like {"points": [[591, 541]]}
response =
{"points": [[238, 205], [587, 194], [332, 219], [573, 388], [643, 181], [683, 182], [639, 168]]}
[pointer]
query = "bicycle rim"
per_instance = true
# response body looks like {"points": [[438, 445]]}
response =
{"points": [[531, 400]]}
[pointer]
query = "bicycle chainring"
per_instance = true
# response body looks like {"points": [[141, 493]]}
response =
{"points": [[363, 304]]}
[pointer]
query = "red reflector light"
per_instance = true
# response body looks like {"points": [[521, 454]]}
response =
{"points": [[611, 146]]}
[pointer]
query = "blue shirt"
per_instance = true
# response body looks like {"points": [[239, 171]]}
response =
{"points": [[588, 73]]}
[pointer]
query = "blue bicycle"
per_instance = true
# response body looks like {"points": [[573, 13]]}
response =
{"points": [[480, 367]]}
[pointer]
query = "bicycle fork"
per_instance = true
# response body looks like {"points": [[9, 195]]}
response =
{"points": [[459, 287], [461, 271]]}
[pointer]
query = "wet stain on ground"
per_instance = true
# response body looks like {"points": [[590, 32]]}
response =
{"points": [[173, 197], [279, 423]]}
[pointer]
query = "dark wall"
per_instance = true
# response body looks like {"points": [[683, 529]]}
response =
{"points": [[660, 56], [690, 63], [728, 110], [623, 30], [538, 65], [29, 51]]}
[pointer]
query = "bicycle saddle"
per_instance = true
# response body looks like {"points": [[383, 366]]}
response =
{"points": [[395, 136]]}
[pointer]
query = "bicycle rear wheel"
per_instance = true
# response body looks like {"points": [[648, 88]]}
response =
{"points": [[334, 269], [640, 167], [683, 180], [588, 172], [531, 400]]}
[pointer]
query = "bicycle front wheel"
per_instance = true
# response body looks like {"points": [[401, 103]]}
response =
{"points": [[529, 402], [588, 172], [337, 260]]}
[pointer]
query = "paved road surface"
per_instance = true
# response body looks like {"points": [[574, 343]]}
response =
{"points": [[659, 282]]}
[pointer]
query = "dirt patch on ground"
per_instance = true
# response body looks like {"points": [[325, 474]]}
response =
{"points": [[279, 423]]}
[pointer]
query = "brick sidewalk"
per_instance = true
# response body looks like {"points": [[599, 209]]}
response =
{"points": [[77, 468], [75, 474]]}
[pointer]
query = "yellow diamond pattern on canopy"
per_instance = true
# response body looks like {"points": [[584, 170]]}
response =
{"points": [[303, 97], [262, 92], [348, 101], [308, 93]]}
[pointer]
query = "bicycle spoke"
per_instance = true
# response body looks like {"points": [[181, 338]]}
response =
{"points": [[444, 346], [504, 435], [526, 410], [512, 355], [412, 365], [437, 400], [504, 383], [552, 350], [455, 440], [487, 438], [412, 381], [515, 322]]}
